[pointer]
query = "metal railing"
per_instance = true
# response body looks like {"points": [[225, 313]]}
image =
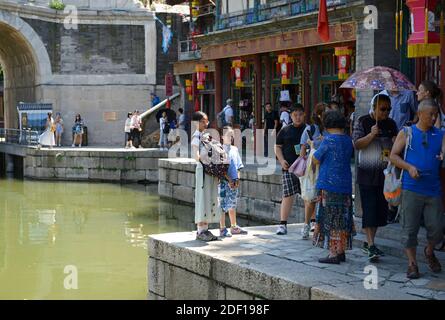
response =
{"points": [[158, 106], [187, 50], [271, 10], [17, 136]]}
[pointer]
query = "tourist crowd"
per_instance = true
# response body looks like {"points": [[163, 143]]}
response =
{"points": [[399, 147]]}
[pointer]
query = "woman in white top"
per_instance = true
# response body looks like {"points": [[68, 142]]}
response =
{"points": [[47, 137], [164, 130], [128, 138]]}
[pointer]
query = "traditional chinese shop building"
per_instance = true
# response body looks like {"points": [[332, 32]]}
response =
{"points": [[252, 50]]}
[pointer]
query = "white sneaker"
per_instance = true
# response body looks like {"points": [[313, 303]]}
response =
{"points": [[73, 146], [305, 231], [312, 226], [282, 230]]}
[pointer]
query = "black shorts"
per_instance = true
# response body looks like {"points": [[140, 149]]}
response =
{"points": [[128, 136]]}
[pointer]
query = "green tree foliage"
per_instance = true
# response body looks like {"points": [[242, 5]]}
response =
{"points": [[56, 5]]}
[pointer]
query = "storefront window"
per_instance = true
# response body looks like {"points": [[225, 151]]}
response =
{"points": [[326, 64]]}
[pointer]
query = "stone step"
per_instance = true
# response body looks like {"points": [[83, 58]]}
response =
{"points": [[395, 248]]}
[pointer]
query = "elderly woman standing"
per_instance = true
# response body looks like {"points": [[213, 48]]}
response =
{"points": [[334, 227], [373, 136]]}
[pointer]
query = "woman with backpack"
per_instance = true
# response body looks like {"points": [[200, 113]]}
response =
{"points": [[314, 132], [207, 208], [229, 191], [164, 131]]}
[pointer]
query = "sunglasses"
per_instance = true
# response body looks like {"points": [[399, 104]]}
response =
{"points": [[385, 109]]}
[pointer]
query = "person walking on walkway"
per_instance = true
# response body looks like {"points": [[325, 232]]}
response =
{"points": [[164, 127], [182, 120], [421, 188], [136, 129], [229, 192], [271, 122], [59, 129], [314, 133], [77, 131], [334, 226], [207, 208], [127, 129], [287, 150], [373, 136]]}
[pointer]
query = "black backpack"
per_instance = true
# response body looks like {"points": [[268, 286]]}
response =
{"points": [[166, 128]]}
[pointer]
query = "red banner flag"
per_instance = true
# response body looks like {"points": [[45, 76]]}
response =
{"points": [[323, 22]]}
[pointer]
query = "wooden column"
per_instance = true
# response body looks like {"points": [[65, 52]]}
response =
{"points": [[306, 88], [315, 77], [267, 80], [218, 86], [258, 91]]}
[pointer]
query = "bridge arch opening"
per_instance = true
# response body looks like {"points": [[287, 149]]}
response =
{"points": [[25, 64]]}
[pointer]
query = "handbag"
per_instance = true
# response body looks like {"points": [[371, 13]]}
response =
{"points": [[308, 182], [392, 188], [298, 168]]}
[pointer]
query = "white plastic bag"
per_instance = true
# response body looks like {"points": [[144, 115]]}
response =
{"points": [[309, 180]]}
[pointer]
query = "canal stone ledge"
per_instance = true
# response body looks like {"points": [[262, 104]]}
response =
{"points": [[260, 199], [260, 195], [93, 164], [262, 265]]}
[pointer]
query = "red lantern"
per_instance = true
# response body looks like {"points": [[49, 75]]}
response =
{"points": [[189, 89], [284, 67], [238, 70], [424, 41], [344, 61], [197, 105], [201, 71]]}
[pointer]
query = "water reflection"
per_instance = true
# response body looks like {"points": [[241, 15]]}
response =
{"points": [[102, 229], [99, 228]]}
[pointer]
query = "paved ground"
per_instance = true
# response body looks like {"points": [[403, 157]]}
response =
{"points": [[294, 261]]}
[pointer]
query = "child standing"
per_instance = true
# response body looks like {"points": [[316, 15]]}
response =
{"points": [[229, 191], [207, 209]]}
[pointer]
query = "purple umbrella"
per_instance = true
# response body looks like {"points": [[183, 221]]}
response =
{"points": [[378, 78]]}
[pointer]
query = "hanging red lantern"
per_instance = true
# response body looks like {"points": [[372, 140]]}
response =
{"points": [[238, 71], [284, 67], [197, 105], [189, 89], [201, 71], [344, 61], [424, 41]]}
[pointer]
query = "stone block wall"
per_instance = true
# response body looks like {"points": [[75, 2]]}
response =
{"points": [[93, 49], [85, 165], [260, 196]]}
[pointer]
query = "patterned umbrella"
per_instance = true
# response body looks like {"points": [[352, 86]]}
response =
{"points": [[379, 78]]}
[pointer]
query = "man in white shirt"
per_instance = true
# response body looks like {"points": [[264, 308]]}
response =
{"points": [[228, 112], [284, 116]]}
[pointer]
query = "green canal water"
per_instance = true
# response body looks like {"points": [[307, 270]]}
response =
{"points": [[100, 229]]}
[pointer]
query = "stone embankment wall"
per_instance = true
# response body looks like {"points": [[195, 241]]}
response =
{"points": [[84, 165], [260, 195]]}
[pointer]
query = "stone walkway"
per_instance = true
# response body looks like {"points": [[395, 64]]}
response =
{"points": [[265, 265]]}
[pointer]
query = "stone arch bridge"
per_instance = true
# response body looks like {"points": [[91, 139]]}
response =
{"points": [[102, 70]]}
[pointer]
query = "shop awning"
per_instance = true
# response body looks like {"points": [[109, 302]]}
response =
{"points": [[175, 2], [344, 32]]}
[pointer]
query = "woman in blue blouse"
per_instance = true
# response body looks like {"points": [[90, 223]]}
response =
{"points": [[334, 222]]}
